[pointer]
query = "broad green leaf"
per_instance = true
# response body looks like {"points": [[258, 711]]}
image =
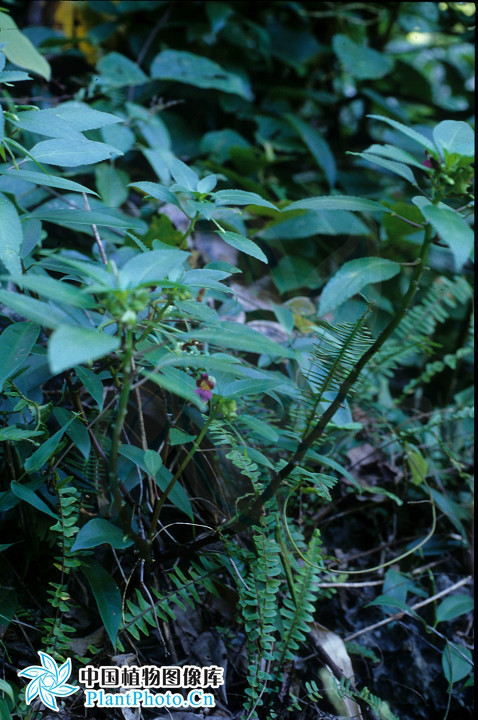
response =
{"points": [[239, 337], [207, 184], [457, 662], [98, 531], [397, 168], [11, 236], [47, 122], [177, 382], [119, 136], [394, 153], [390, 601], [150, 267], [84, 217], [178, 437], [44, 314], [71, 153], [243, 244], [338, 202], [45, 451], [159, 192], [452, 229], [255, 386], [56, 290], [16, 341], [352, 277], [360, 61], [148, 460], [39, 178], [185, 67], [183, 174], [318, 147], [70, 345], [92, 383], [455, 138], [19, 50], [107, 596], [83, 117], [75, 429], [259, 427], [177, 495], [315, 222], [28, 495], [417, 463], [408, 131], [117, 71], [112, 184], [12, 432], [454, 606], [241, 197]]}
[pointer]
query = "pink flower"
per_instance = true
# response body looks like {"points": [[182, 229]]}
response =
{"points": [[205, 384], [428, 160]]}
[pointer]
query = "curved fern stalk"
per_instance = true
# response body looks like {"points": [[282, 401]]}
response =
{"points": [[333, 358], [297, 616], [55, 639]]}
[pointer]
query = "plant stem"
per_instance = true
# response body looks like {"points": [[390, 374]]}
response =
{"points": [[121, 416], [179, 471]]}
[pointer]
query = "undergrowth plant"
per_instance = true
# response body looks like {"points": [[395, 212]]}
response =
{"points": [[156, 448]]}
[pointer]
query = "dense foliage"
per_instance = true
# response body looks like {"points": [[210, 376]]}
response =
{"points": [[235, 350]]}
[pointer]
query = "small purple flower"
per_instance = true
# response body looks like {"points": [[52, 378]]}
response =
{"points": [[428, 160], [205, 385]]}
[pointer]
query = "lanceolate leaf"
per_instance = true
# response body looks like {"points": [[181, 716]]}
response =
{"points": [[20, 50], [352, 277], [408, 131], [243, 244], [71, 153], [11, 236], [16, 341], [98, 531], [397, 168], [318, 147], [39, 178], [241, 197], [70, 345], [107, 596], [452, 229], [338, 202]]}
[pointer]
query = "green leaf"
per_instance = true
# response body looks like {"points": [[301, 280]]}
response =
{"points": [[239, 337], [241, 197], [185, 67], [454, 138], [159, 192], [318, 147], [183, 174], [352, 277], [408, 131], [315, 222], [84, 217], [76, 429], [83, 117], [19, 50], [45, 451], [178, 495], [176, 382], [178, 437], [392, 602], [44, 314], [16, 341], [338, 202], [394, 153], [48, 180], [417, 464], [150, 267], [454, 606], [397, 168], [360, 61], [27, 495], [99, 531], [47, 122], [243, 244], [71, 153], [92, 383], [70, 345], [112, 184], [457, 662], [452, 229], [117, 71], [11, 236], [12, 432], [62, 292], [107, 596]]}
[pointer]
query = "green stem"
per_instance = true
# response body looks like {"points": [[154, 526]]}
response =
{"points": [[121, 416], [178, 473], [317, 431]]}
